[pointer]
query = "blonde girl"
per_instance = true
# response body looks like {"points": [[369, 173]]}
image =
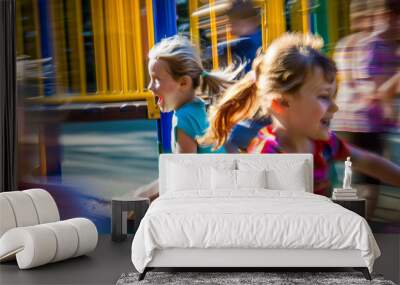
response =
{"points": [[177, 79], [294, 84]]}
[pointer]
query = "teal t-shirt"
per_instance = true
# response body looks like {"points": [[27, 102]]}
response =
{"points": [[191, 118]]}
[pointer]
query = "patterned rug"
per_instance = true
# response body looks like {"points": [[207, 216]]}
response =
{"points": [[243, 278]]}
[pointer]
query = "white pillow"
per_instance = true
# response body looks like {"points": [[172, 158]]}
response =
{"points": [[281, 174], [227, 179], [223, 179], [281, 180], [251, 178], [183, 177]]}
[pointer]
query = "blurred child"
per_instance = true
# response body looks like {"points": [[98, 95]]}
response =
{"points": [[295, 85], [176, 76], [245, 26]]}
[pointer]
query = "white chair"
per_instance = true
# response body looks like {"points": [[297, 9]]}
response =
{"points": [[31, 230]]}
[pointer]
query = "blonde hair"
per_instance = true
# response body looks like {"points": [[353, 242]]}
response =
{"points": [[183, 59], [281, 70]]}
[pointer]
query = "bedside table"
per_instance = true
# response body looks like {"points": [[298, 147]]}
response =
{"points": [[358, 206], [120, 206]]}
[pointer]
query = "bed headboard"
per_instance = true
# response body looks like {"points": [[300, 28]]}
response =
{"points": [[281, 162]]}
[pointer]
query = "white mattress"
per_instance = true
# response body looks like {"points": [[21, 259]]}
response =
{"points": [[256, 218]]}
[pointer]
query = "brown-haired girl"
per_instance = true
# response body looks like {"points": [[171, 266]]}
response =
{"points": [[294, 84]]}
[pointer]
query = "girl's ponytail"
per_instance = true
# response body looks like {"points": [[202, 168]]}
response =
{"points": [[213, 83], [239, 102]]}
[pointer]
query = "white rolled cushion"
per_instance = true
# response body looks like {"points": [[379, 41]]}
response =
{"points": [[23, 208], [87, 235], [40, 244], [67, 240], [251, 178], [33, 246], [223, 179], [7, 218], [45, 205]]}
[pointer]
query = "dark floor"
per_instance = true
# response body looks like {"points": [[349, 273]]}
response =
{"points": [[111, 259], [103, 266]]}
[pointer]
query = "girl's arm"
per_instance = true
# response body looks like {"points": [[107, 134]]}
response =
{"points": [[390, 88], [375, 166], [185, 144]]}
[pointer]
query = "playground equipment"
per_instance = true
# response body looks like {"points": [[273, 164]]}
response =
{"points": [[95, 51]]}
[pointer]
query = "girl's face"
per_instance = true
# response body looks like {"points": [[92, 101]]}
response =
{"points": [[163, 85], [310, 111]]}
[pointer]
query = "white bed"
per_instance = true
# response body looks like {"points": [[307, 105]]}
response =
{"points": [[243, 210]]}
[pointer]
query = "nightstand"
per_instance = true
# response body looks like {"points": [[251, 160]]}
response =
{"points": [[358, 205], [120, 206]]}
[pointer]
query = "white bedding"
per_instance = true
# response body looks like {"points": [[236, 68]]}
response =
{"points": [[252, 218]]}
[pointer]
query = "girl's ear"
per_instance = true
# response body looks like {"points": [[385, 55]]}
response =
{"points": [[185, 82]]}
